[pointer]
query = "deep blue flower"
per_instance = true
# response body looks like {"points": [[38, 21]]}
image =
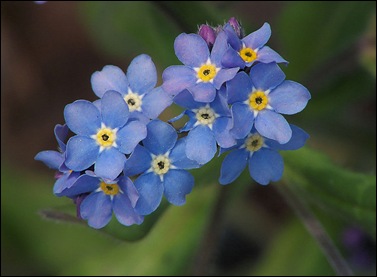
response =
{"points": [[162, 163], [250, 49], [105, 197], [260, 98], [202, 73], [261, 155], [56, 160], [137, 88], [103, 136], [208, 125]]}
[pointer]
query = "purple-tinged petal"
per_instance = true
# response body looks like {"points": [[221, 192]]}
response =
{"points": [[150, 191], [266, 76], [52, 159], [258, 38], [236, 26], [130, 135], [243, 119], [124, 211], [109, 164], [191, 49], [178, 156], [82, 117], [219, 49], [289, 98], [225, 74], [109, 78], [61, 133], [142, 74], [65, 182], [82, 184], [239, 88], [266, 165], [221, 131], [97, 209], [273, 126], [298, 140], [203, 92], [139, 161], [267, 55], [233, 38], [201, 144], [178, 78], [186, 100], [155, 102], [161, 137], [81, 153], [233, 165], [208, 34], [232, 58], [177, 183], [129, 189], [114, 110]]}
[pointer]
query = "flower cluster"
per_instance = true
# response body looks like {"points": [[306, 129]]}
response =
{"points": [[120, 158]]}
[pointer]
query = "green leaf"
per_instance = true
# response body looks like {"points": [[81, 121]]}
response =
{"points": [[342, 192]]}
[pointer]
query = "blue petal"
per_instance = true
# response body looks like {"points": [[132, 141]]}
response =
{"points": [[298, 140], [178, 78], [65, 182], [232, 166], [109, 78], [203, 92], [114, 110], [124, 211], [82, 184], [224, 75], [139, 161], [273, 126], [110, 163], [266, 165], [155, 102], [97, 209], [130, 135], [81, 153], [61, 133], [239, 88], [219, 48], [201, 144], [258, 38], [142, 74], [178, 156], [82, 117], [161, 137], [289, 98], [139, 116], [191, 49], [178, 183], [189, 124], [150, 191], [233, 38], [221, 129], [243, 119], [185, 99], [232, 58], [267, 55], [220, 106], [52, 159], [266, 76], [129, 189]]}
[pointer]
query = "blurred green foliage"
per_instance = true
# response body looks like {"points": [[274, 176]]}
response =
{"points": [[325, 44]]}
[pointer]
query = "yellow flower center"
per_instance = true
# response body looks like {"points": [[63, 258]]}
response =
{"points": [[109, 189], [254, 142], [258, 100], [207, 72], [105, 137], [160, 164], [205, 116], [248, 54], [133, 101]]}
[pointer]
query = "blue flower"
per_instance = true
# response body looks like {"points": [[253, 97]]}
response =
{"points": [[103, 136], [56, 160], [250, 49], [137, 87], [162, 163], [202, 73], [208, 125], [261, 155], [260, 98], [104, 198]]}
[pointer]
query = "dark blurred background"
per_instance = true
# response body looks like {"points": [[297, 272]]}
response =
{"points": [[50, 50]]}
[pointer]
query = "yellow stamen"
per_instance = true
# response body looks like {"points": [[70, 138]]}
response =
{"points": [[106, 137], [254, 142], [207, 72], [248, 55], [109, 189], [258, 100], [161, 164]]}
